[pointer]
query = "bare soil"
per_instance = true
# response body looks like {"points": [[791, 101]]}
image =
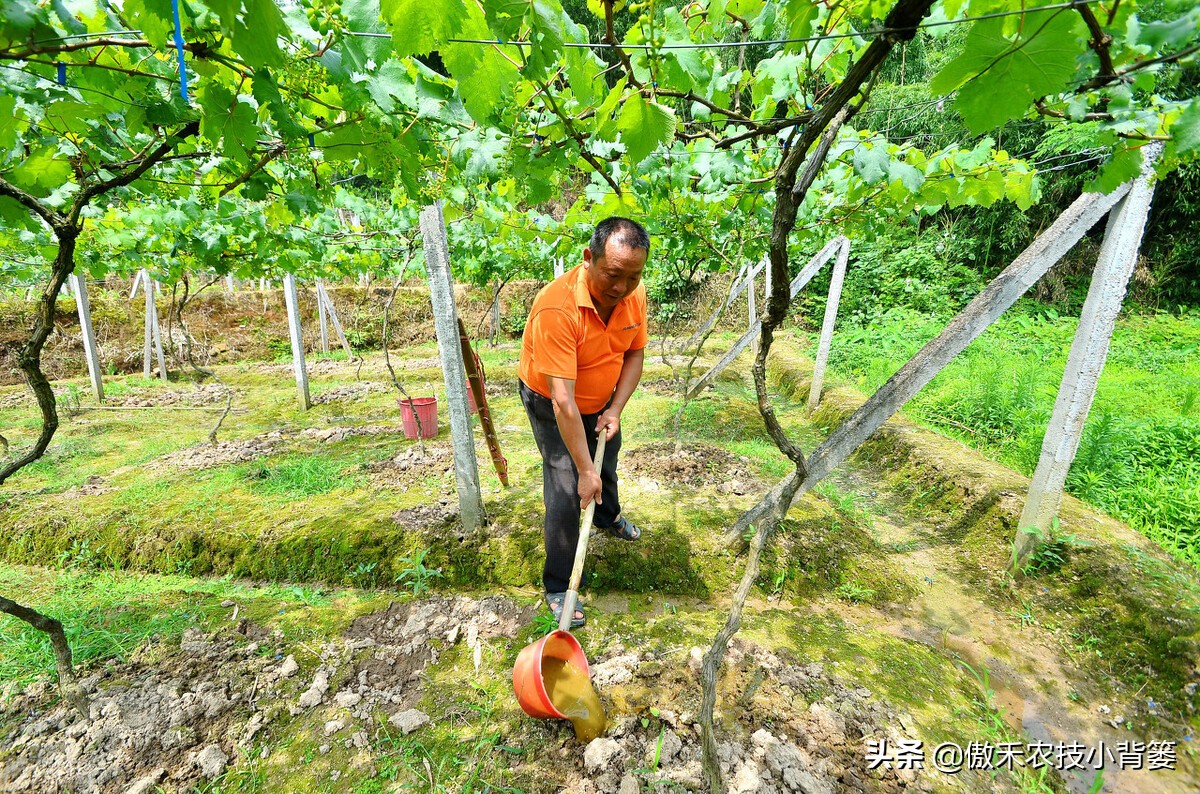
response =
{"points": [[176, 716], [152, 398], [206, 456], [414, 466], [695, 465]]}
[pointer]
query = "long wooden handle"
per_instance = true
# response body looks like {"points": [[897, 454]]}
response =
{"points": [[585, 531]]}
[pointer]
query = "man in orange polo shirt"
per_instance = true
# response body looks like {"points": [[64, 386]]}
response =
{"points": [[581, 359]]}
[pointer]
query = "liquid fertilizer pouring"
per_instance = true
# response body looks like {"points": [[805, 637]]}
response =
{"points": [[551, 678]]}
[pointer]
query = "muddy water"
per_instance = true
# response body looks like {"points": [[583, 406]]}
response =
{"points": [[571, 693]]}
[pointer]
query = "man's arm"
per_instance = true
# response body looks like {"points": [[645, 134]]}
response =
{"points": [[570, 425], [631, 375]]}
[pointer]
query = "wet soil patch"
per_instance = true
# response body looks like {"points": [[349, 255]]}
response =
{"points": [[407, 637], [695, 465], [816, 726]]}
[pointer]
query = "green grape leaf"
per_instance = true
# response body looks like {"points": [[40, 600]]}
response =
{"points": [[265, 91], [40, 173], [644, 126], [10, 120], [487, 155], [153, 18], [583, 67], [605, 128], [908, 175], [800, 18], [871, 162], [547, 26], [227, 121], [998, 78], [22, 20], [1185, 132], [690, 68], [392, 82], [1022, 188], [1124, 164], [970, 159], [778, 79], [485, 76], [1168, 33], [422, 26], [256, 34], [342, 143]]}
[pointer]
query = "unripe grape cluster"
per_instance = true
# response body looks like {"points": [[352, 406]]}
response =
{"points": [[326, 18]]}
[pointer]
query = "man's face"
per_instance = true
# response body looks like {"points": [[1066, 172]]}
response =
{"points": [[613, 276]]}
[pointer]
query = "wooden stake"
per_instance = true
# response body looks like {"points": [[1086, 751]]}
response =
{"points": [[153, 336], [441, 289], [476, 383]]}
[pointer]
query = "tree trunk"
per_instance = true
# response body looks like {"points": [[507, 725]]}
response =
{"points": [[30, 357], [70, 688]]}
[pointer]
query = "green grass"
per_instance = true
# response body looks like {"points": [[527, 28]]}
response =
{"points": [[107, 614], [297, 477], [1140, 455]]}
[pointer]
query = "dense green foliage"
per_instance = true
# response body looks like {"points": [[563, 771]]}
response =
{"points": [[1139, 456]]}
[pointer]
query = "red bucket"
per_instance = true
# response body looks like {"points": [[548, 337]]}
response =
{"points": [[424, 408], [528, 684]]}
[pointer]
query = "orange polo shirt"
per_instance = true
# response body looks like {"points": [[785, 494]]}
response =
{"points": [[565, 338]]}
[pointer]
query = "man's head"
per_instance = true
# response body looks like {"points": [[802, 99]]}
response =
{"points": [[614, 259]]}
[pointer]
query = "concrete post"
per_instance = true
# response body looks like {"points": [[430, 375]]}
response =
{"points": [[751, 314], [331, 313], [158, 345], [1089, 351], [735, 292], [293, 313], [1017, 278], [803, 277], [151, 311], [153, 340], [445, 316], [322, 322], [89, 336], [831, 310], [558, 266], [996, 298]]}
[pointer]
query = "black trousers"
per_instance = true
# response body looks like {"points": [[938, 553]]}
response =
{"points": [[560, 486]]}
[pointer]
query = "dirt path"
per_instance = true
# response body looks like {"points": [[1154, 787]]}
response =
{"points": [[1036, 687]]}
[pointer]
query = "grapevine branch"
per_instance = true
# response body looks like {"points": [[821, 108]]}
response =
{"points": [[790, 193], [1100, 41]]}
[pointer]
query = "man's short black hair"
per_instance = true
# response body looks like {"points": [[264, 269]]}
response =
{"points": [[630, 233]]}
